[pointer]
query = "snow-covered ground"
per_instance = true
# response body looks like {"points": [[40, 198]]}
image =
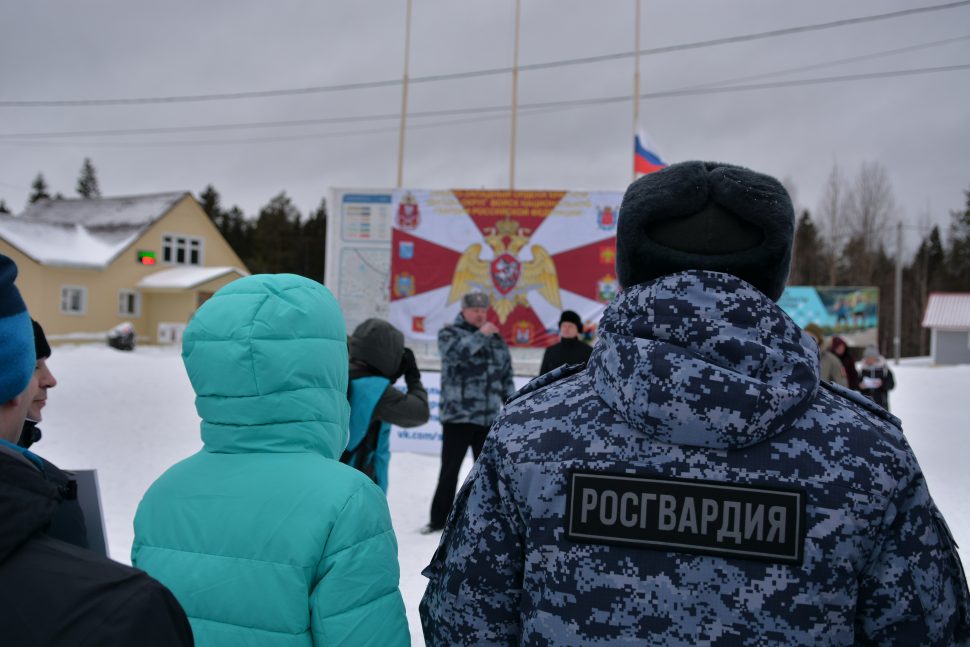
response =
{"points": [[131, 415]]}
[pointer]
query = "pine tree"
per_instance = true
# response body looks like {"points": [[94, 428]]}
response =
{"points": [[958, 248], [927, 273], [276, 237], [313, 244], [40, 190], [87, 181], [809, 258], [209, 200], [238, 232]]}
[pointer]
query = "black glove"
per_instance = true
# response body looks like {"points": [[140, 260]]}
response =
{"points": [[409, 368]]}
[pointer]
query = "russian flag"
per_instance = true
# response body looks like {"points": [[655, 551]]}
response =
{"points": [[644, 160]]}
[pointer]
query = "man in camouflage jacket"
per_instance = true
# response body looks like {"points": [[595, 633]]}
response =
{"points": [[476, 379], [696, 484]]}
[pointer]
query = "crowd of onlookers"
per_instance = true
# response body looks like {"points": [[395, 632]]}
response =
{"points": [[871, 376]]}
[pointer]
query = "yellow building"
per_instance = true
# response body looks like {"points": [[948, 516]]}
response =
{"points": [[88, 265]]}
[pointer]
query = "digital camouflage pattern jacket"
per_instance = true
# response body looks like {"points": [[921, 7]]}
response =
{"points": [[695, 485], [476, 374]]}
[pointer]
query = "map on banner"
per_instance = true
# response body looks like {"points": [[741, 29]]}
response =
{"points": [[534, 253]]}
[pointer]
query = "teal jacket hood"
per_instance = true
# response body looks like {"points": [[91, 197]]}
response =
{"points": [[267, 358]]}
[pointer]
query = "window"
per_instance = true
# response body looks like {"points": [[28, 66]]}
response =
{"points": [[74, 299], [181, 250], [129, 303]]}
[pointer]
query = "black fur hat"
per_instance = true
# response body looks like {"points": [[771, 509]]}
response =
{"points": [[706, 216]]}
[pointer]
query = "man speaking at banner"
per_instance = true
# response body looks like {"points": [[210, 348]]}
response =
{"points": [[476, 379], [696, 483]]}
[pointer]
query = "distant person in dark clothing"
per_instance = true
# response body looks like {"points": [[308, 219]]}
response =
{"points": [[476, 380], [378, 358], [831, 366], [875, 378], [570, 349], [53, 593], [841, 350]]}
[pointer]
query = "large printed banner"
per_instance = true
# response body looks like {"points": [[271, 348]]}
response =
{"points": [[850, 312], [535, 253]]}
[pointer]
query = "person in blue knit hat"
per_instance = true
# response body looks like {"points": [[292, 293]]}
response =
{"points": [[53, 592]]}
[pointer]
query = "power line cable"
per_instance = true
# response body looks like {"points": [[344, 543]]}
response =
{"points": [[479, 73], [276, 139], [831, 63], [10, 137]]}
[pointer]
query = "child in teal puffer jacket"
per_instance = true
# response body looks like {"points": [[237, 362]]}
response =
{"points": [[264, 536]]}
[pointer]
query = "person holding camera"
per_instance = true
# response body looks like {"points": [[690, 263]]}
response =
{"points": [[378, 358]]}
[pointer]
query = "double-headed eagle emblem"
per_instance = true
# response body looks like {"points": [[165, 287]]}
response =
{"points": [[506, 279]]}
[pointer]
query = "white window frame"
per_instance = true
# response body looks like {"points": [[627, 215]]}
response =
{"points": [[173, 243], [82, 292], [126, 296]]}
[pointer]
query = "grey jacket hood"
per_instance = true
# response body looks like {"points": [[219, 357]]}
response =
{"points": [[378, 344], [704, 359]]}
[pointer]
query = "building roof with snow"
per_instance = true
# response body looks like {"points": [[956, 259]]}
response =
{"points": [[183, 278], [84, 232], [948, 311]]}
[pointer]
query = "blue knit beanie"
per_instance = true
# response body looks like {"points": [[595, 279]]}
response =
{"points": [[17, 355]]}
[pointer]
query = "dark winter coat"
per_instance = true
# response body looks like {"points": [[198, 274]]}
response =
{"points": [[53, 593], [377, 359], [851, 375], [476, 374], [372, 413], [878, 371], [695, 485], [68, 522], [567, 351]]}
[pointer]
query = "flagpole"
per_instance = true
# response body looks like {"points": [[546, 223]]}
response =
{"points": [[636, 76], [515, 97], [404, 98]]}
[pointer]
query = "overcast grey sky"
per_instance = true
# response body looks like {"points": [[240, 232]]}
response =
{"points": [[917, 126]]}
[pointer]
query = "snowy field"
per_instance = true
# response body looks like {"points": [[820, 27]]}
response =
{"points": [[131, 415]]}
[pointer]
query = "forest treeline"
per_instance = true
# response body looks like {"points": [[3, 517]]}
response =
{"points": [[851, 239]]}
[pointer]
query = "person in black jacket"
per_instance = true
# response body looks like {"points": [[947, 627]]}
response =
{"points": [[875, 378], [570, 349], [53, 593], [378, 358]]}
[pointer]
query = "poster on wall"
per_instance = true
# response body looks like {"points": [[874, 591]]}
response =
{"points": [[849, 312], [534, 253]]}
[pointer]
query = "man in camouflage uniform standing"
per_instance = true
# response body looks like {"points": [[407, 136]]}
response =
{"points": [[696, 484], [476, 379]]}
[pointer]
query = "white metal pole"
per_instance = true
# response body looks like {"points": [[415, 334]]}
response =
{"points": [[404, 97], [636, 76], [898, 293], [515, 96]]}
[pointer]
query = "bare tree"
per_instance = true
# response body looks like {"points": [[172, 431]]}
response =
{"points": [[832, 216], [871, 207]]}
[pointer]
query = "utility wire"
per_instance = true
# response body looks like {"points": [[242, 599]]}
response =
{"points": [[478, 73], [831, 63], [280, 138], [11, 137]]}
